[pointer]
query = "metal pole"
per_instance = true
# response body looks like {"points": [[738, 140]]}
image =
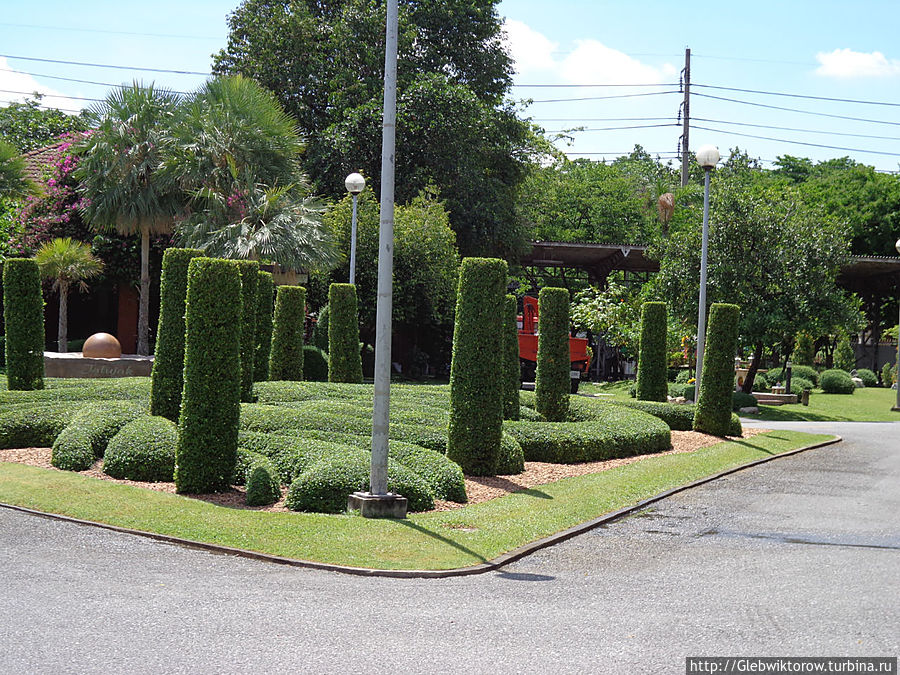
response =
{"points": [[701, 318], [382, 400], [353, 243], [686, 129], [897, 407]]}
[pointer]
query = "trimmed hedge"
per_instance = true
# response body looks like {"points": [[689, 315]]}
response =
{"points": [[263, 483], [551, 381], [869, 378], [712, 413], [249, 270], [511, 369], [210, 408], [290, 455], [652, 358], [836, 382], [30, 426], [143, 450], [166, 378], [798, 384], [741, 400], [315, 364], [265, 302], [806, 372], [90, 431], [286, 357], [23, 316], [344, 358], [476, 398]]}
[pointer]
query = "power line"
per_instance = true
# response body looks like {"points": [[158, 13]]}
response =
{"points": [[598, 119], [109, 32], [805, 112], [806, 96], [814, 145], [561, 86], [72, 79], [601, 98], [104, 65], [749, 60], [29, 93], [636, 126], [45, 107], [806, 131]]}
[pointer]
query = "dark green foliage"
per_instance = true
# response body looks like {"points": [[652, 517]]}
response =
{"points": [[344, 359], [263, 483], [143, 450], [741, 400], [511, 372], [320, 333], [652, 358], [101, 389], [804, 350], [166, 380], [476, 377], [761, 383], [315, 364], [249, 281], [86, 438], [23, 315], [836, 382], [210, 407], [286, 358], [869, 378], [798, 384], [844, 357], [677, 417], [778, 375], [712, 413], [29, 426], [888, 374], [325, 486], [551, 383], [265, 300], [291, 454]]}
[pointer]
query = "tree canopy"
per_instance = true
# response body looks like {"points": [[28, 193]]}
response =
{"points": [[28, 126]]}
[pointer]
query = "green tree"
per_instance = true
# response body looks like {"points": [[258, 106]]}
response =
{"points": [[29, 126], [67, 263], [14, 182], [119, 170]]}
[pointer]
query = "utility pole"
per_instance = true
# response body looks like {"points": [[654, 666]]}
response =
{"points": [[685, 134]]}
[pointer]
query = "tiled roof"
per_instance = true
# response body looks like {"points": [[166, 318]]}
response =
{"points": [[37, 160]]}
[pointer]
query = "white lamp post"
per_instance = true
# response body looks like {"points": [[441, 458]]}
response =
{"points": [[897, 407], [354, 184], [707, 157]]}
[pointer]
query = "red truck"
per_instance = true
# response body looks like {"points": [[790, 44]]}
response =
{"points": [[528, 345]]}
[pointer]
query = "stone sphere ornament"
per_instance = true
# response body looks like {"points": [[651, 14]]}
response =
{"points": [[101, 346]]}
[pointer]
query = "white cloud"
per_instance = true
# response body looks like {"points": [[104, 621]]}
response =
{"points": [[531, 51], [21, 82], [846, 63]]}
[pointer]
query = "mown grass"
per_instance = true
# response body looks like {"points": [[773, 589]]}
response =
{"points": [[869, 404], [435, 540]]}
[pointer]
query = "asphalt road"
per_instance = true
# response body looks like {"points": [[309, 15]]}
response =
{"points": [[800, 556]]}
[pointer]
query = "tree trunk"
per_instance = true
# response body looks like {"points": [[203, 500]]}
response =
{"points": [[62, 332], [143, 341], [747, 387]]}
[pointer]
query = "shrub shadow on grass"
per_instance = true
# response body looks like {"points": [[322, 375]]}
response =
{"points": [[780, 414], [508, 485], [442, 539]]}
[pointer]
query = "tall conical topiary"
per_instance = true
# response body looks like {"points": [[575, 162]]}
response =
{"points": [[476, 371], [511, 368], [166, 378], [211, 402], [651, 375], [265, 299], [344, 359], [249, 280], [551, 382], [23, 314], [286, 357], [713, 410]]}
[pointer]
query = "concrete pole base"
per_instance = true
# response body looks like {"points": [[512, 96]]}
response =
{"points": [[896, 408], [389, 505]]}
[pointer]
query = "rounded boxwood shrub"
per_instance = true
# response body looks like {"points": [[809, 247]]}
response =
{"points": [[325, 486], [712, 413], [210, 406], [741, 400], [291, 455], [166, 378], [869, 378], [836, 382], [23, 316], [806, 372], [511, 369], [651, 375], [683, 376], [551, 382], [798, 384], [143, 450], [249, 270], [26, 425], [265, 300], [263, 483], [315, 364], [443, 476], [344, 358], [476, 400], [761, 382], [86, 438], [286, 357]]}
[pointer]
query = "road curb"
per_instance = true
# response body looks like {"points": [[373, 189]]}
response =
{"points": [[481, 568]]}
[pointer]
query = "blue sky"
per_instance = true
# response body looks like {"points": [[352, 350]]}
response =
{"points": [[826, 49]]}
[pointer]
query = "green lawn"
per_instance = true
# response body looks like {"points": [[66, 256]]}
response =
{"points": [[870, 404], [618, 389], [436, 540]]}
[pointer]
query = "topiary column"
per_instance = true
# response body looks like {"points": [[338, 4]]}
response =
{"points": [[551, 381], [713, 410], [265, 298], [249, 280], [344, 360], [286, 358], [211, 401], [23, 314], [651, 375], [476, 370], [166, 378], [511, 368]]}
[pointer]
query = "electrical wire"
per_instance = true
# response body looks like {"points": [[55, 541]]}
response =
{"points": [[72, 79], [562, 86], [806, 131], [637, 126], [104, 65], [29, 93], [785, 140], [45, 107], [805, 112], [601, 98], [806, 96], [110, 32]]}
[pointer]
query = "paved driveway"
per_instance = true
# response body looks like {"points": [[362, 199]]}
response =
{"points": [[800, 556]]}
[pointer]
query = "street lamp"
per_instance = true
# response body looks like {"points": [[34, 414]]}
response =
{"points": [[707, 157], [897, 407], [354, 184]]}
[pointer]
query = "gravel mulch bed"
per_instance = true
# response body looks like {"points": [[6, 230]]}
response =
{"points": [[479, 489]]}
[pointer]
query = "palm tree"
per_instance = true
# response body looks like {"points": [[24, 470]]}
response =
{"points": [[67, 263], [119, 176], [14, 182]]}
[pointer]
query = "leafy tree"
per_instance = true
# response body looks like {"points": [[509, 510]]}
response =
{"points": [[14, 182], [28, 126], [68, 263], [612, 313], [118, 174]]}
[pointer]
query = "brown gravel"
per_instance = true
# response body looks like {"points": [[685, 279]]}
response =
{"points": [[479, 489]]}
